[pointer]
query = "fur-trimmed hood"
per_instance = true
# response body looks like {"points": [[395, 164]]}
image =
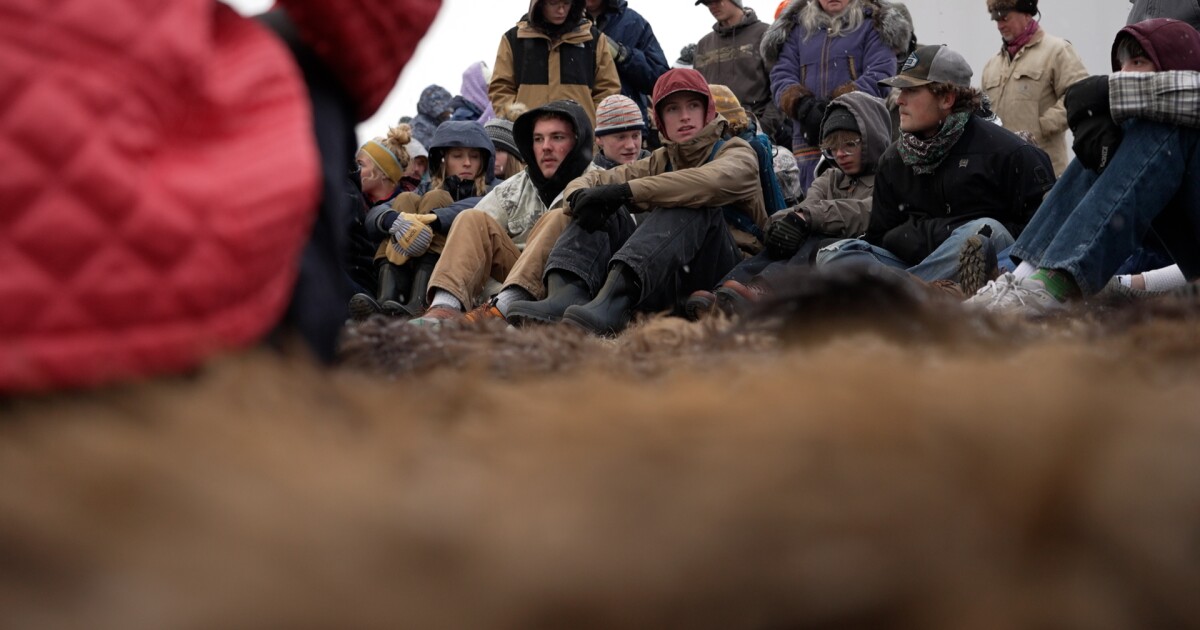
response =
{"points": [[890, 18]]}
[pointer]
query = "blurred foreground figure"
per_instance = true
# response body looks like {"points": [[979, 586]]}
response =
{"points": [[163, 173]]}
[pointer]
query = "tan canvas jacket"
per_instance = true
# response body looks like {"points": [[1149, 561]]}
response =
{"points": [[1027, 91]]}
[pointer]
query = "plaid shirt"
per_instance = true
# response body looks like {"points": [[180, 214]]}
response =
{"points": [[1169, 97]]}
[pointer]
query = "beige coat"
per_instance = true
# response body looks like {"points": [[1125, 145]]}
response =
{"points": [[730, 179], [1027, 91], [504, 90]]}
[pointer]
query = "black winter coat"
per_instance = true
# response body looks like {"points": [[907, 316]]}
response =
{"points": [[989, 173]]}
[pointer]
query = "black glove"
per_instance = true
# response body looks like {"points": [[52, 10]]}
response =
{"points": [[591, 207], [1097, 136], [809, 113], [1085, 99], [785, 236], [1096, 142]]}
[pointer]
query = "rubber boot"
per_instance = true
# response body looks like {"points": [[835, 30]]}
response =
{"points": [[394, 282], [418, 301], [363, 306], [563, 290], [609, 312]]}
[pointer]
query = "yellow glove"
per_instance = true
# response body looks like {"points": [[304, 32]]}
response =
{"points": [[412, 234]]}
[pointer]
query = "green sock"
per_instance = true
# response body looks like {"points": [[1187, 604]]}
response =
{"points": [[1057, 283]]}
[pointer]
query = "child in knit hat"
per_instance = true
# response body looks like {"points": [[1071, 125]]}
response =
{"points": [[619, 127]]}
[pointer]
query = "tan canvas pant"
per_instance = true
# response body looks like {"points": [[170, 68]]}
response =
{"points": [[478, 248], [412, 203], [527, 272]]}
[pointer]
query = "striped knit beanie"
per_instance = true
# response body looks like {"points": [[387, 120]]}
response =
{"points": [[500, 131], [618, 113], [730, 107], [383, 157]]}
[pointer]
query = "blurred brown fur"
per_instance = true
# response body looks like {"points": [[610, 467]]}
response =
{"points": [[702, 475]]}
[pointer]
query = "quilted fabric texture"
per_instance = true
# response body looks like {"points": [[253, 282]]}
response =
{"points": [[159, 180], [365, 42]]}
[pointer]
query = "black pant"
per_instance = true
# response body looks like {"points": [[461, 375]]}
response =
{"points": [[766, 268], [673, 251]]}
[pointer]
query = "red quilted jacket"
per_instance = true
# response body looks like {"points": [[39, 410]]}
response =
{"points": [[159, 174]]}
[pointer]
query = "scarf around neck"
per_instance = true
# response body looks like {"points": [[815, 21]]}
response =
{"points": [[924, 156], [1019, 41]]}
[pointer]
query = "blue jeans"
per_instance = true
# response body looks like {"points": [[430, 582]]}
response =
{"points": [[941, 264], [1090, 224]]}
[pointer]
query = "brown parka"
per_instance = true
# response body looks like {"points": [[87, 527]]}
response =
{"points": [[563, 74], [681, 175]]}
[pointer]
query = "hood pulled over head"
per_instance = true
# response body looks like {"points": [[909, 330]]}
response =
{"points": [[678, 80], [576, 161]]}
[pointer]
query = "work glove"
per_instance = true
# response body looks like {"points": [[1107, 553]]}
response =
{"points": [[809, 113], [1097, 136], [412, 234], [591, 207], [785, 235]]}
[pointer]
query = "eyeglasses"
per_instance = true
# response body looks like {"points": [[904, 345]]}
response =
{"points": [[848, 147]]}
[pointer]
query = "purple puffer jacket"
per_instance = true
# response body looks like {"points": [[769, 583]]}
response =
{"points": [[822, 64]]}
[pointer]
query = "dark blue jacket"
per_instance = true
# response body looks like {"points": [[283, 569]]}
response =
{"points": [[642, 59], [450, 134]]}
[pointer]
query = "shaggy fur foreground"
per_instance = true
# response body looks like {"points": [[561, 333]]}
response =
{"points": [[858, 482]]}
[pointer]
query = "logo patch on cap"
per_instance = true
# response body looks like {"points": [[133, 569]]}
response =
{"points": [[909, 63]]}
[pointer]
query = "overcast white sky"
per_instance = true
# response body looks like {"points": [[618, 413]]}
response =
{"points": [[467, 31]]}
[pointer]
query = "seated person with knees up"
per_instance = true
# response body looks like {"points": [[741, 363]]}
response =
{"points": [[702, 197], [1136, 175], [949, 177], [411, 230], [486, 241], [854, 134], [619, 127]]}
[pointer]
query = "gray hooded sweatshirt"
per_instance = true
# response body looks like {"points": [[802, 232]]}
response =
{"points": [[838, 204]]}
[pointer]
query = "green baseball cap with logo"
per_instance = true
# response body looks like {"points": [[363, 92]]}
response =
{"points": [[932, 64]]}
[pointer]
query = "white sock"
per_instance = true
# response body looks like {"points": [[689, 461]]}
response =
{"points": [[508, 295], [445, 298], [1165, 279], [1023, 270]]}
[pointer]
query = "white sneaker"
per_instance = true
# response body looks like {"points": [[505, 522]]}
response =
{"points": [[1006, 294]]}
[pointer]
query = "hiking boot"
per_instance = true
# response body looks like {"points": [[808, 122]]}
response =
{"points": [[699, 303], [976, 264], [1007, 294], [439, 316], [735, 298], [363, 306], [563, 290], [484, 312], [610, 311]]}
